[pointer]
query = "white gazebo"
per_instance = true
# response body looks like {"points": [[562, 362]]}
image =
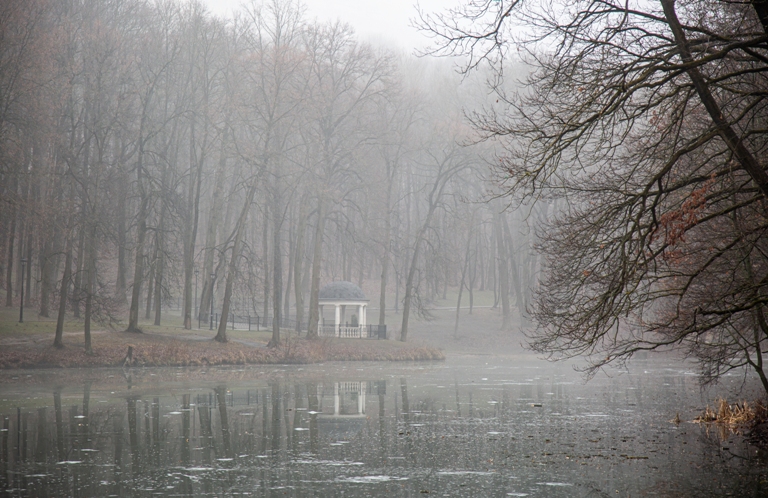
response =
{"points": [[350, 310]]}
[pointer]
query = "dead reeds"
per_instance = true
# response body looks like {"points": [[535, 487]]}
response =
{"points": [[735, 416]]}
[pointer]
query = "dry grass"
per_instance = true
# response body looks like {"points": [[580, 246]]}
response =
{"points": [[735, 416], [109, 350]]}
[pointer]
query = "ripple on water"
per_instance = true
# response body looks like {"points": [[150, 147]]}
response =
{"points": [[370, 479]]}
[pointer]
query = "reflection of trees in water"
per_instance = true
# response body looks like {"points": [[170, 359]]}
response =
{"points": [[252, 435]]}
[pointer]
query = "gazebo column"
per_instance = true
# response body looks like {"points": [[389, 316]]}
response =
{"points": [[336, 396], [338, 320], [360, 320]]}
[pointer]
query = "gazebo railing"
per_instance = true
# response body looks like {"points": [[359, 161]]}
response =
{"points": [[353, 332]]}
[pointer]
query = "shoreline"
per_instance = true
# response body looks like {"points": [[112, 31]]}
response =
{"points": [[157, 350]]}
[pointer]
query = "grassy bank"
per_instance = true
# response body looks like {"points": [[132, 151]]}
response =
{"points": [[29, 345]]}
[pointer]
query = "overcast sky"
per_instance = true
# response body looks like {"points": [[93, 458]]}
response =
{"points": [[384, 21]]}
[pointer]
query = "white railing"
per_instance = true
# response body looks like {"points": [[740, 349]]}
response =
{"points": [[350, 332], [343, 331]]}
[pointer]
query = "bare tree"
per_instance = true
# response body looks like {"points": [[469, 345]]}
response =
{"points": [[648, 122]]}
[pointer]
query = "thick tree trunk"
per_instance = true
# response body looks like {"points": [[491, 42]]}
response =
{"points": [[277, 264], [191, 240], [221, 335], [151, 262], [120, 283], [265, 259], [138, 271], [317, 257], [9, 262], [516, 280], [503, 271], [461, 283], [90, 280], [298, 264], [409, 289], [736, 145], [78, 283], [160, 261], [65, 280], [214, 220], [159, 280], [46, 270], [289, 273]]}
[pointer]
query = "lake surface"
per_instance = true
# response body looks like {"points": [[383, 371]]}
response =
{"points": [[465, 427]]}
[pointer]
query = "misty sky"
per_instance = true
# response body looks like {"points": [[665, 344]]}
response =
{"points": [[387, 21]]}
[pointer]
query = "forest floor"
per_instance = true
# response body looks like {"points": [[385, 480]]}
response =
{"points": [[431, 337], [30, 345]]}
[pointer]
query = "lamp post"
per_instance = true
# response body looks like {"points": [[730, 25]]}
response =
{"points": [[21, 307], [213, 275], [195, 306]]}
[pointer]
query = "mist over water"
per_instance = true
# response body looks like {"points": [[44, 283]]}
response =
{"points": [[468, 427]]}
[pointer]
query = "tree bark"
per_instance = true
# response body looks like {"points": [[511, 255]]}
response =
{"points": [[221, 335], [385, 253], [90, 280], [277, 263], [503, 273], [65, 280], [299, 261], [10, 261], [317, 256], [461, 283], [214, 220]]}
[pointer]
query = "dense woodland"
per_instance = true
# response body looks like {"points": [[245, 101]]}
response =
{"points": [[147, 145]]}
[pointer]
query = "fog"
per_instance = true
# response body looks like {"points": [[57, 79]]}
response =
{"points": [[168, 162], [317, 183]]}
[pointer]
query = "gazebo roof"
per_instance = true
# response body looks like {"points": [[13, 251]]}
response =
{"points": [[341, 291]]}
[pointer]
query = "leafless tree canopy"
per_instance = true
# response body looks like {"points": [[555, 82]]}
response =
{"points": [[645, 122], [153, 156]]}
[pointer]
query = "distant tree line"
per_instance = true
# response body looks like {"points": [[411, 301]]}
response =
{"points": [[147, 145]]}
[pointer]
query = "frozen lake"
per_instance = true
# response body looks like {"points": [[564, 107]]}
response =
{"points": [[470, 426]]}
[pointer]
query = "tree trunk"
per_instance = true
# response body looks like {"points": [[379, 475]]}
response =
{"points": [[277, 264], [90, 280], [289, 273], [65, 279], [159, 278], [317, 256], [122, 193], [46, 264], [736, 145], [409, 289], [214, 220], [189, 246], [298, 264], [516, 281], [461, 283], [10, 261], [503, 272], [221, 335], [78, 283], [138, 270], [265, 259], [385, 254], [151, 283]]}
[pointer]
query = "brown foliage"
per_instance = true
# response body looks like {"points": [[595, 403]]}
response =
{"points": [[155, 352]]}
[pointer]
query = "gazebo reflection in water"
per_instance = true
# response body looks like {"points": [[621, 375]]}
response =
{"points": [[342, 406]]}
